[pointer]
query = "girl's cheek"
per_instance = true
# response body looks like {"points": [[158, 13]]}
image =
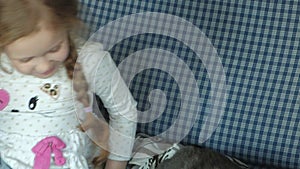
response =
{"points": [[22, 68], [64, 54]]}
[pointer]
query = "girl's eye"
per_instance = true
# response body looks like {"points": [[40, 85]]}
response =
{"points": [[25, 60], [55, 49]]}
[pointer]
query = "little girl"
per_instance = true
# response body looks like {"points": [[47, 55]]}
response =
{"points": [[39, 114]]}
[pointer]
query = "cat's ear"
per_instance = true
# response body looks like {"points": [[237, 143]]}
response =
{"points": [[4, 98]]}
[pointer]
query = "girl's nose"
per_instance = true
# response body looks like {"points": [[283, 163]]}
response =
{"points": [[43, 65]]}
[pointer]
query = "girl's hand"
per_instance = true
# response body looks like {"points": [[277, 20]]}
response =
{"points": [[112, 164]]}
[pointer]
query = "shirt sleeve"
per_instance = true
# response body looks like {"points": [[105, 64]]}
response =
{"points": [[106, 82]]}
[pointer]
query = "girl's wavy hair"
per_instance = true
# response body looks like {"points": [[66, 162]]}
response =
{"points": [[19, 18]]}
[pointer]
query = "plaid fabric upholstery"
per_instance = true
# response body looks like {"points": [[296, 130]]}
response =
{"points": [[257, 45]]}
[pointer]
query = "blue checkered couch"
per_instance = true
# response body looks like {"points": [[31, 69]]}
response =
{"points": [[219, 74]]}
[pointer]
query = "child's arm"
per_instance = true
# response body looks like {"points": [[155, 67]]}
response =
{"points": [[111, 164], [105, 81]]}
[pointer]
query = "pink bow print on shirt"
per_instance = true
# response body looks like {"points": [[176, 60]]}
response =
{"points": [[43, 150]]}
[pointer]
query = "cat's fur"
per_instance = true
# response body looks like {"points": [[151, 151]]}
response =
{"points": [[191, 157]]}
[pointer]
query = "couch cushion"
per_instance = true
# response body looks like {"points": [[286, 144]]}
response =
{"points": [[221, 74]]}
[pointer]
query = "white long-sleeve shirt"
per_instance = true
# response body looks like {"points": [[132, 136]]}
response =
{"points": [[33, 113]]}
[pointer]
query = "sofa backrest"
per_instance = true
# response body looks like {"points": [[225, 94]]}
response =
{"points": [[220, 74]]}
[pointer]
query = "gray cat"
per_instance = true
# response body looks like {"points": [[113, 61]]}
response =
{"points": [[191, 157]]}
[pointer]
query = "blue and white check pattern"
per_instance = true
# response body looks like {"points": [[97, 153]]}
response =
{"points": [[258, 45]]}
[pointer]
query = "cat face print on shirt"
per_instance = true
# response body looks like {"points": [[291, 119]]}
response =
{"points": [[24, 93], [21, 97]]}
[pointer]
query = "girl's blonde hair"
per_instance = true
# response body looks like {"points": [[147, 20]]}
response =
{"points": [[19, 18]]}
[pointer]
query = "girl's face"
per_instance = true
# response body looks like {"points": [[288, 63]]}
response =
{"points": [[39, 54]]}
